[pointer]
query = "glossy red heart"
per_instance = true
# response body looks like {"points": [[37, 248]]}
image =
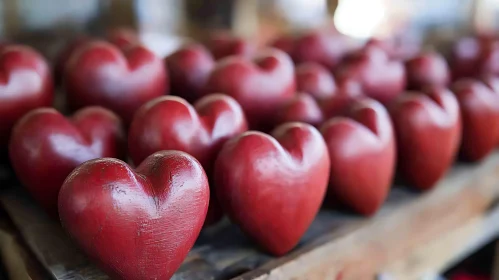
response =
{"points": [[428, 128], [475, 56], [25, 84], [401, 46], [170, 123], [304, 108], [223, 44], [480, 118], [272, 187], [101, 74], [136, 224], [380, 77], [120, 37], [324, 46], [259, 86], [427, 69], [189, 68], [362, 151], [46, 146], [314, 79]]}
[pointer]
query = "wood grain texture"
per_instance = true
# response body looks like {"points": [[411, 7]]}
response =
{"points": [[414, 233]]}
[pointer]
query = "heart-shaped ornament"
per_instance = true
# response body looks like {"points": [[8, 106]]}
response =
{"points": [[101, 74], [136, 224], [260, 86], [380, 77], [427, 69], [480, 118], [224, 44], [428, 128], [304, 108], [273, 186], [25, 84], [46, 146], [362, 151], [314, 79], [189, 68]]}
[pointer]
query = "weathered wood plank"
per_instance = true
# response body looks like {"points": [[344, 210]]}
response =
{"points": [[448, 249]]}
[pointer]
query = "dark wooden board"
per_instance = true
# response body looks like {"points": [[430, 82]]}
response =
{"points": [[335, 244]]}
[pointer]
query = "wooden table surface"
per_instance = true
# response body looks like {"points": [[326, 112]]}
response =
{"points": [[413, 235]]}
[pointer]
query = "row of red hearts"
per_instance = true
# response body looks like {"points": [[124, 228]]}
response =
{"points": [[251, 173]]}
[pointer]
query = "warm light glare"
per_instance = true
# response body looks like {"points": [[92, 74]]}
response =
{"points": [[359, 18]]}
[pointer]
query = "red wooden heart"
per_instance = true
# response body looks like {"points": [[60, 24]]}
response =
{"points": [[474, 57], [362, 152], [304, 108], [428, 128], [25, 84], [427, 69], [260, 86], [224, 44], [189, 68], [45, 147], [120, 37], [480, 118], [314, 79], [324, 46], [273, 187], [381, 78], [136, 224], [170, 123], [101, 74]]}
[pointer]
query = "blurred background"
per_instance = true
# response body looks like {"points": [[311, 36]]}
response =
{"points": [[164, 24]]}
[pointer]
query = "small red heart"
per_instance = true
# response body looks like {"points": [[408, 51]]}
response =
{"points": [[260, 86], [427, 69], [224, 44], [380, 77], [101, 74], [314, 79], [120, 37], [398, 47], [136, 224], [170, 123], [480, 118], [475, 56], [189, 68], [45, 147], [324, 46], [428, 128], [362, 151], [304, 108], [273, 187], [25, 84]]}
